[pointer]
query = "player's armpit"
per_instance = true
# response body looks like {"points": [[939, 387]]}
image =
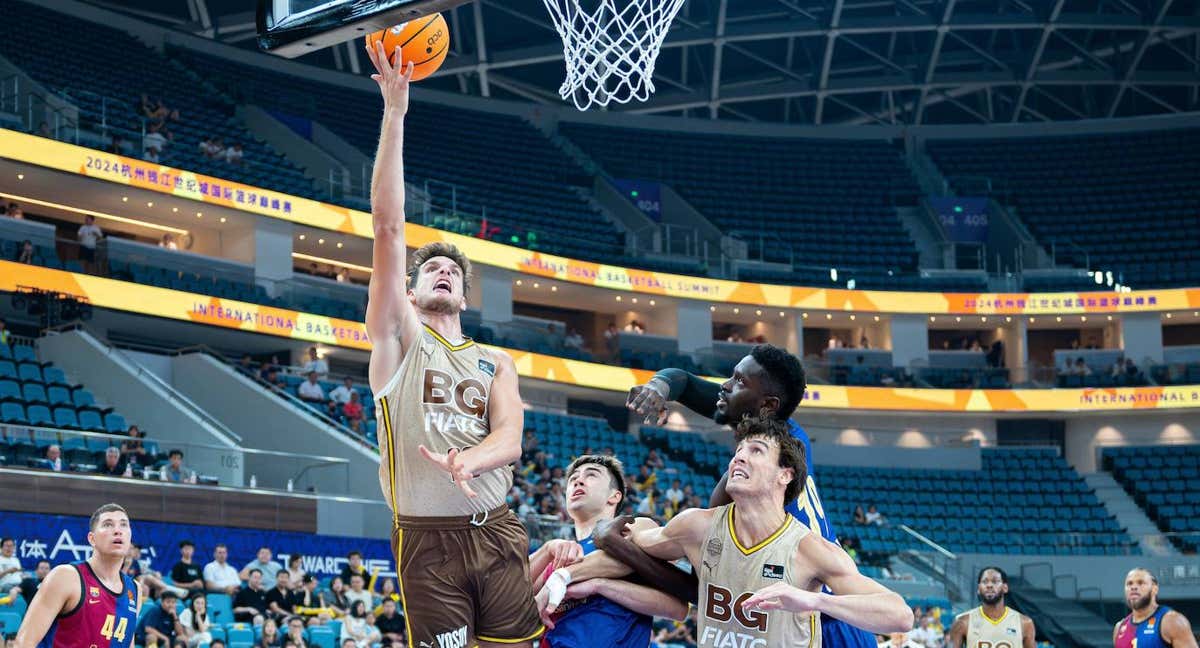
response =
{"points": [[59, 591]]}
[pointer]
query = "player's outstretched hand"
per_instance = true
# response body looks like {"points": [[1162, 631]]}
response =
{"points": [[394, 79], [650, 401], [450, 463], [781, 596]]}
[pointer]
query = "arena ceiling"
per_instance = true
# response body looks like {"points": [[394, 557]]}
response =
{"points": [[827, 62]]}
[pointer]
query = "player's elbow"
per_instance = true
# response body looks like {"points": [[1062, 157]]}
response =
{"points": [[388, 225], [898, 615], [677, 610]]}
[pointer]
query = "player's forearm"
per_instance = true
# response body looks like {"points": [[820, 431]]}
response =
{"points": [[691, 391], [598, 564], [676, 582], [497, 449], [387, 179], [881, 613], [642, 599]]}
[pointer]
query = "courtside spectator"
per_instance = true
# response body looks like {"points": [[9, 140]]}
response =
{"points": [[11, 574], [195, 622], [54, 460], [315, 363], [263, 563], [89, 234], [354, 565], [219, 575], [250, 604], [161, 623], [390, 625], [30, 585], [112, 466], [185, 573], [132, 449], [310, 390], [356, 627]]}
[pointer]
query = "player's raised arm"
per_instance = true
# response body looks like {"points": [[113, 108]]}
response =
{"points": [[391, 319], [58, 593]]}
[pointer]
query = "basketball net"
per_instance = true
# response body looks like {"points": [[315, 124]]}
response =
{"points": [[610, 50]]}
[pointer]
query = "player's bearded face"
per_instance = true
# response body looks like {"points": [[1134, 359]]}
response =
{"points": [[439, 287], [1139, 591], [991, 589]]}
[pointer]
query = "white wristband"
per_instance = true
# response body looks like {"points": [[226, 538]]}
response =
{"points": [[556, 585]]}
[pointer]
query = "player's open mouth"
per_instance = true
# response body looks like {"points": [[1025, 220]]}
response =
{"points": [[738, 473], [442, 286], [577, 493]]}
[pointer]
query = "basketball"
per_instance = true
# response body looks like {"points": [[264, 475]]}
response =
{"points": [[424, 41]]}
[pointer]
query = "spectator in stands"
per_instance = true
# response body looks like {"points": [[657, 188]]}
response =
{"points": [[340, 395], [295, 570], [874, 516], [219, 575], [234, 155], [25, 253], [275, 379], [113, 466], [343, 275], [89, 235], [387, 592], [353, 411], [357, 592], [250, 604], [195, 622], [635, 326], [295, 634], [44, 130], [390, 625], [356, 627], [140, 570], [1081, 368], [132, 449], [1131, 369], [271, 637], [116, 145], [354, 565], [54, 460], [281, 600], [675, 494], [13, 210], [267, 567], [168, 242], [337, 600], [316, 364], [860, 516], [310, 390], [265, 370], [154, 142], [207, 146], [185, 573], [4, 334], [11, 574], [925, 634], [645, 479], [309, 601], [653, 461], [864, 343], [848, 547], [162, 623], [29, 586], [174, 470], [899, 640], [574, 340]]}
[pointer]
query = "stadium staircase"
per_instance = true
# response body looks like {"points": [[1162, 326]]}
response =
{"points": [[1067, 624], [1129, 515]]}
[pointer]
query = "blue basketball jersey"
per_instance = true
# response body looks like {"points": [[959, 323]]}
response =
{"points": [[1147, 634], [596, 621]]}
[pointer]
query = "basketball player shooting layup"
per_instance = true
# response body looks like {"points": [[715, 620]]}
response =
{"points": [[993, 624], [451, 420], [760, 571], [1150, 625], [90, 603]]}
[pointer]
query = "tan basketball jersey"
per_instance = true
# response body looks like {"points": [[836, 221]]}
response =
{"points": [[983, 632], [437, 398], [730, 573]]}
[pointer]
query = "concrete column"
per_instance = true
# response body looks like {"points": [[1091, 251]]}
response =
{"points": [[910, 339], [494, 288], [1141, 337], [795, 333], [694, 323], [1016, 349], [272, 245]]}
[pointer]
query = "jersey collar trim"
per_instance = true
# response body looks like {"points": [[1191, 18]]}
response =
{"points": [[446, 343], [996, 621], [738, 543]]}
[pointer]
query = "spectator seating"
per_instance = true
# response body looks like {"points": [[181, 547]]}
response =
{"points": [[1123, 198], [1165, 481], [1035, 504], [40, 394], [107, 91], [477, 164], [828, 203]]}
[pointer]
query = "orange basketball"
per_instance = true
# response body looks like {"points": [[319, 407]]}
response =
{"points": [[424, 41]]}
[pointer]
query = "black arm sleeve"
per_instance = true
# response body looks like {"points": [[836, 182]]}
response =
{"points": [[691, 391]]}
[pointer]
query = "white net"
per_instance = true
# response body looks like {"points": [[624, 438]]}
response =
{"points": [[610, 47]]}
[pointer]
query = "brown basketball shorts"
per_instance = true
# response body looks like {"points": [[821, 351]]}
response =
{"points": [[459, 581]]}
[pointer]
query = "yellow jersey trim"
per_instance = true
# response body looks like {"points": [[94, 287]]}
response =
{"points": [[997, 621], [535, 635], [400, 581], [391, 458], [467, 342], [737, 543]]}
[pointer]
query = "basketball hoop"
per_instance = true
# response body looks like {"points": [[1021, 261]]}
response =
{"points": [[610, 50]]}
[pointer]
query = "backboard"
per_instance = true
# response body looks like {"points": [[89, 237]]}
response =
{"points": [[291, 28]]}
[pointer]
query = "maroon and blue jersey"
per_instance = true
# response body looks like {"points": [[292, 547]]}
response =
{"points": [[102, 618], [1147, 634], [597, 621]]}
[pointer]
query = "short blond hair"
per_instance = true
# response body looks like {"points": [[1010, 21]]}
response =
{"points": [[437, 249]]}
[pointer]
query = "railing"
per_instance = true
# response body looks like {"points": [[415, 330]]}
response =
{"points": [[1070, 252], [10, 90]]}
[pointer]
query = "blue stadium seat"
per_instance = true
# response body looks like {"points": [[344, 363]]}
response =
{"points": [[55, 376], [39, 415], [59, 395], [83, 398], [12, 413], [10, 390], [115, 423], [90, 420], [24, 353], [65, 417], [29, 372], [34, 393], [8, 369]]}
